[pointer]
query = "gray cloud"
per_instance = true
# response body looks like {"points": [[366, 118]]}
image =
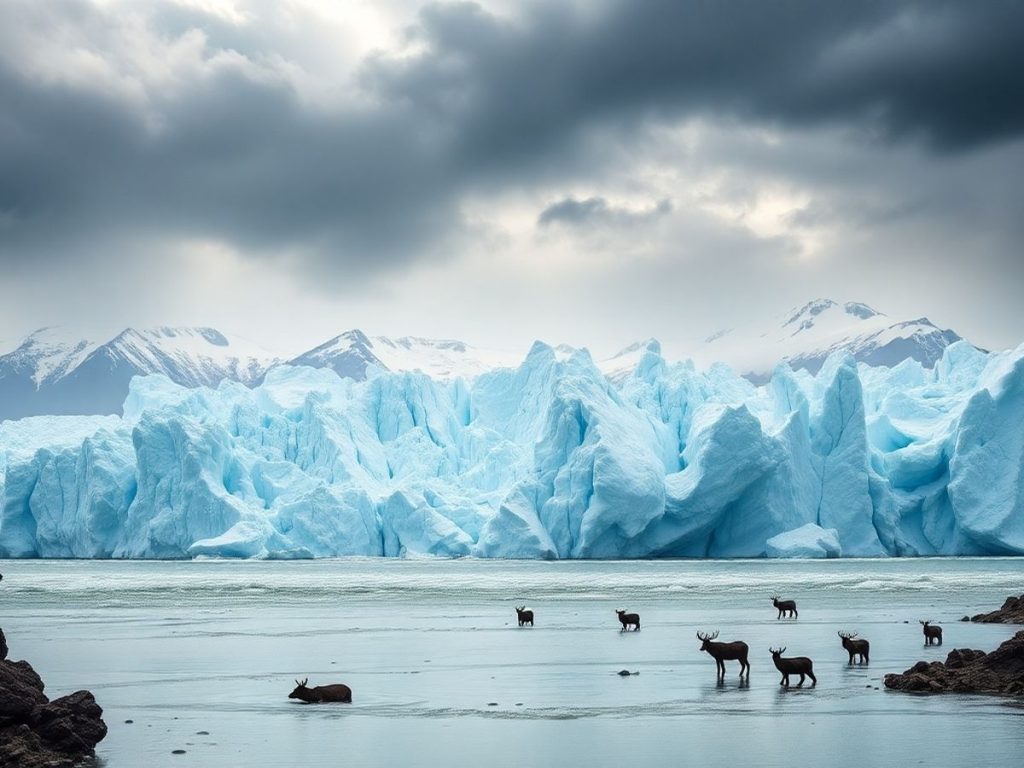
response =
{"points": [[242, 158], [597, 211], [218, 141], [944, 72]]}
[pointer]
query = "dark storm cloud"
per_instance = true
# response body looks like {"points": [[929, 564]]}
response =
{"points": [[597, 211], [944, 72], [486, 102]]}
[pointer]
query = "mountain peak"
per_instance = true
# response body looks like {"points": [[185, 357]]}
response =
{"points": [[809, 334], [809, 311], [857, 309]]}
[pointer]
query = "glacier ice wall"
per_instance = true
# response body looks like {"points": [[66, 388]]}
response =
{"points": [[549, 460]]}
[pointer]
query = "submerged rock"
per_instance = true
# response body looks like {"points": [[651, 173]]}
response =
{"points": [[1012, 612], [35, 731], [968, 671]]}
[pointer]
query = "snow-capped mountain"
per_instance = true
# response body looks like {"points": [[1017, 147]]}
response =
{"points": [[52, 372], [354, 354], [806, 336], [622, 364]]}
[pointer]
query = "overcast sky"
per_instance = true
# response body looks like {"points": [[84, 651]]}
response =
{"points": [[591, 173]]}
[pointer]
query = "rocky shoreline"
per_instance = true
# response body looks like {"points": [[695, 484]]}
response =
{"points": [[1012, 612], [35, 731], [965, 670]]}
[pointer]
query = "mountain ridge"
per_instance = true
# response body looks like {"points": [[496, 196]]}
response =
{"points": [[50, 373]]}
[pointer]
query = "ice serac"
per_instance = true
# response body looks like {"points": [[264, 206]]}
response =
{"points": [[807, 541], [548, 460], [839, 439], [986, 488]]}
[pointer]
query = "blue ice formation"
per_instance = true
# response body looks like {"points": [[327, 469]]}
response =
{"points": [[549, 460]]}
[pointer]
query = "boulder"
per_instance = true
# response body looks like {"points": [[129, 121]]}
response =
{"points": [[35, 731], [968, 671], [1012, 612]]}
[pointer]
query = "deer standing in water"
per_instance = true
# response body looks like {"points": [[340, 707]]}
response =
{"points": [[931, 634], [855, 647], [787, 607], [798, 665], [321, 693], [525, 616], [722, 652], [628, 620]]}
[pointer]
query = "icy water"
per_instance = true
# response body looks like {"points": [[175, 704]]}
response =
{"points": [[429, 646]]}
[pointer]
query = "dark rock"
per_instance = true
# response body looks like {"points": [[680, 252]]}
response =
{"points": [[3, 646], [21, 691], [1012, 612], [968, 671], [177, 751], [202, 733], [72, 724], [966, 618], [35, 731], [626, 673], [129, 722]]}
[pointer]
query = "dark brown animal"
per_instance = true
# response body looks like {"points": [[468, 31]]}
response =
{"points": [[525, 616], [931, 634], [722, 652], [321, 693], [628, 620], [798, 665], [787, 607], [855, 647]]}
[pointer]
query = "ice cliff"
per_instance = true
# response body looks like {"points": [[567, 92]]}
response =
{"points": [[549, 460]]}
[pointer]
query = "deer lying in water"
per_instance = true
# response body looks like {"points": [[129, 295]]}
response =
{"points": [[722, 652], [321, 693], [855, 647], [798, 665], [525, 616], [931, 634], [787, 607], [629, 619]]}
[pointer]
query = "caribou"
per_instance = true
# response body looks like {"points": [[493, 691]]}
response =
{"points": [[855, 647], [786, 607], [798, 665], [525, 616], [931, 634], [321, 693], [629, 619], [722, 652]]}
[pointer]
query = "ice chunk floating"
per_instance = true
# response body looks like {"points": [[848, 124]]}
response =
{"points": [[548, 460]]}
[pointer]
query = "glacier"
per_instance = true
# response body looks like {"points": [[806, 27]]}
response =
{"points": [[551, 459]]}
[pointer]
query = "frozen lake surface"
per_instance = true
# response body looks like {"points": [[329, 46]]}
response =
{"points": [[428, 646]]}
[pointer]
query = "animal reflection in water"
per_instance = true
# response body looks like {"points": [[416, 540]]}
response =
{"points": [[321, 693]]}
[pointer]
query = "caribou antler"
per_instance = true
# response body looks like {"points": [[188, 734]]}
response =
{"points": [[847, 635], [705, 636], [779, 651]]}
